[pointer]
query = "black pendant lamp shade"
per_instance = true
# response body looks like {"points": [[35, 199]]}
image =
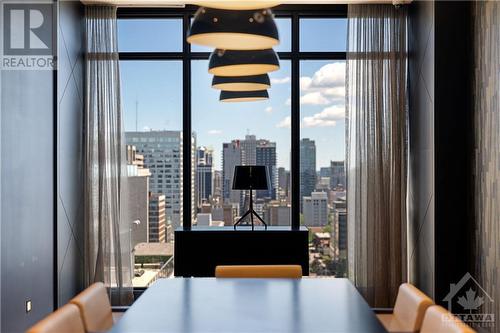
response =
{"points": [[243, 96], [238, 5], [241, 83], [234, 29], [243, 63]]}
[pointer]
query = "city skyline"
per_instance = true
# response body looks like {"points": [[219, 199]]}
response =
{"points": [[154, 90]]}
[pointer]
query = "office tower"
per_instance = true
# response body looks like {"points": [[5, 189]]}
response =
{"points": [[307, 168], [194, 183], [265, 154], [277, 213], [341, 220], [284, 184], [217, 189], [157, 223], [204, 171], [316, 209], [137, 199], [248, 148], [337, 178], [231, 157], [325, 172], [162, 151]]}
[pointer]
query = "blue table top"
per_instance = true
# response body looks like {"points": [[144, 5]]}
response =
{"points": [[250, 305]]}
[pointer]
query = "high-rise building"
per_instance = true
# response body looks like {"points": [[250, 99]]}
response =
{"points": [[157, 223], [265, 152], [248, 148], [337, 178], [217, 191], [307, 168], [231, 157], [284, 184], [316, 209], [137, 200], [325, 172], [162, 151], [277, 213], [204, 175]]}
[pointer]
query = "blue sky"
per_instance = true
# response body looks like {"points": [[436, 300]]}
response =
{"points": [[154, 88]]}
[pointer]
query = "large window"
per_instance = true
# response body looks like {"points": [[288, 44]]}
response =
{"points": [[185, 142]]}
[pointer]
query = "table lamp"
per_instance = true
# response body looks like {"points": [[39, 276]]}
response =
{"points": [[250, 177]]}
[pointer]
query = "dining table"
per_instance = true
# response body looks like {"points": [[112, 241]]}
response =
{"points": [[206, 305]]}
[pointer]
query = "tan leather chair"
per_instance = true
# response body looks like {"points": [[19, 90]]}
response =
{"points": [[95, 308], [259, 271], [408, 312], [438, 320], [66, 319]]}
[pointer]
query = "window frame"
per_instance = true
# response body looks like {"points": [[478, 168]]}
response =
{"points": [[295, 13]]}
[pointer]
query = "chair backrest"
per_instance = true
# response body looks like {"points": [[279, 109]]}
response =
{"points": [[95, 308], [410, 306], [259, 271], [438, 320], [65, 319]]}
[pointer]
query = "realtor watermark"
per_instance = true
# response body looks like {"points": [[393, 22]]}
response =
{"points": [[28, 35], [468, 301]]}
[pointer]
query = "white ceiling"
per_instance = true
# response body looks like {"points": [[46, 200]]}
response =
{"points": [[181, 3]]}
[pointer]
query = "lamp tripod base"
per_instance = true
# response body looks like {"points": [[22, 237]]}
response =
{"points": [[252, 212]]}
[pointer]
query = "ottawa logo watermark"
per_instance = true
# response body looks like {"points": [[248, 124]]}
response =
{"points": [[468, 301], [28, 35]]}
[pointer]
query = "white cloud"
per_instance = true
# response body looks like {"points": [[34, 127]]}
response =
{"points": [[146, 128], [314, 98], [326, 86], [285, 123], [214, 132], [269, 109], [328, 117], [282, 80], [288, 101]]}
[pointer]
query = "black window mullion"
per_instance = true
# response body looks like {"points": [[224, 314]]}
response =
{"points": [[295, 125], [186, 127]]}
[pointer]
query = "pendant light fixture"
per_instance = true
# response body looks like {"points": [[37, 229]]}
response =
{"points": [[234, 29], [241, 83], [243, 96], [238, 5], [243, 63]]}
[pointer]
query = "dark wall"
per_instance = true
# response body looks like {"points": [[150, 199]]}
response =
{"points": [[441, 133], [453, 143], [421, 163], [29, 193], [70, 94]]}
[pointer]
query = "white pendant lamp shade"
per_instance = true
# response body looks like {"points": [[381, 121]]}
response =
{"points": [[234, 29], [243, 63]]}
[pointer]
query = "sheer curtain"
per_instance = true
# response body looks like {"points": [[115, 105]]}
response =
{"points": [[108, 256], [487, 151], [376, 134]]}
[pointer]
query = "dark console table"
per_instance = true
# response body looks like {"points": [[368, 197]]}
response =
{"points": [[198, 251]]}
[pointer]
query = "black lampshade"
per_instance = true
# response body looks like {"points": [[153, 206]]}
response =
{"points": [[238, 5], [243, 63], [241, 83], [234, 29], [248, 177], [243, 96]]}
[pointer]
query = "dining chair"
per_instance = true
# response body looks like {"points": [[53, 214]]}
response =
{"points": [[259, 271], [95, 308], [438, 320], [408, 312], [65, 319]]}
